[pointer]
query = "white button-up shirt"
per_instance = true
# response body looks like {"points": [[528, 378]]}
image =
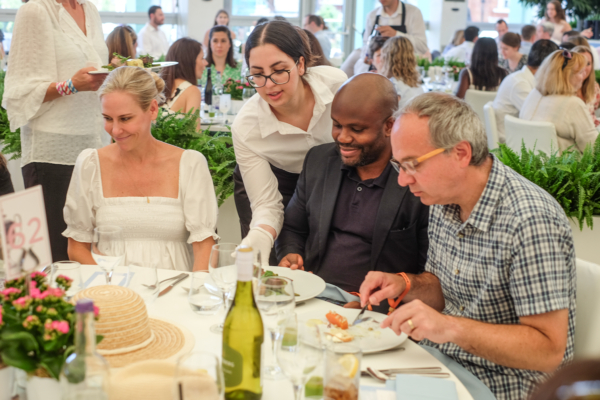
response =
{"points": [[512, 93], [461, 53], [415, 30], [152, 41], [260, 139]]}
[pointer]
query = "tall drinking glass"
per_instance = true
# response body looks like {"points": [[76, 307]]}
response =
{"points": [[299, 352], [108, 249], [225, 103], [70, 269], [342, 372], [222, 268], [276, 301], [247, 93]]}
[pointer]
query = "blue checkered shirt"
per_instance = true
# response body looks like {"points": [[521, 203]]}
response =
{"points": [[513, 257]]}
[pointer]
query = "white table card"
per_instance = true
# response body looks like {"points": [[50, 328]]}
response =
{"points": [[25, 240]]}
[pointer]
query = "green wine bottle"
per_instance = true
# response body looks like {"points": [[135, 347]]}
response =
{"points": [[243, 336]]}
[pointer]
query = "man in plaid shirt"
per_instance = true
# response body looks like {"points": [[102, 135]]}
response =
{"points": [[498, 294]]}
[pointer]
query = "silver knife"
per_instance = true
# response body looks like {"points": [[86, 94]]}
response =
{"points": [[360, 314], [168, 288]]}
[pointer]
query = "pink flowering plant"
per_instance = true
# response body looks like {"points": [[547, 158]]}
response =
{"points": [[235, 88], [36, 328]]}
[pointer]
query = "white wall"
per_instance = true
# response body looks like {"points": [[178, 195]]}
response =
{"points": [[197, 16]]}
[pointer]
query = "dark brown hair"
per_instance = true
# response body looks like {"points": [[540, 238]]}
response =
{"points": [[560, 12], [121, 40], [578, 371], [229, 59], [185, 51], [285, 37], [511, 39], [316, 50], [318, 21], [221, 11], [484, 64]]}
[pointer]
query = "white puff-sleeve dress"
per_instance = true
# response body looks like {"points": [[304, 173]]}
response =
{"points": [[158, 233]]}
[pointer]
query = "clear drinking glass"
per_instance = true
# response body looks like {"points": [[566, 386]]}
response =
{"points": [[299, 352], [276, 301], [223, 271], [108, 249], [247, 93], [198, 375], [203, 298], [70, 269], [342, 372], [225, 103]]}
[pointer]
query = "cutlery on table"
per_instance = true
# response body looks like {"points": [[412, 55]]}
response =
{"points": [[164, 280], [172, 285], [427, 372], [359, 318]]}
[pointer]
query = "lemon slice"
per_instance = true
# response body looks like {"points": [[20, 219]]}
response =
{"points": [[350, 364]]}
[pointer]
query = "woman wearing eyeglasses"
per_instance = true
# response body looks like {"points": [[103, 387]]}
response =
{"points": [[276, 128], [555, 100]]}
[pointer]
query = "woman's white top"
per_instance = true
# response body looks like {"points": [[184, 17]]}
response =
{"points": [[569, 114], [47, 47], [157, 234], [405, 92], [178, 92], [260, 139]]}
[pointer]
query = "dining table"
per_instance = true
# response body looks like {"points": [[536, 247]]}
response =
{"points": [[174, 307]]}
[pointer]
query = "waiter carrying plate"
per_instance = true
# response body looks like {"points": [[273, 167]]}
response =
{"points": [[393, 18]]}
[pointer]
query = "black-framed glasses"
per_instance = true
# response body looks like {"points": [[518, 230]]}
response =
{"points": [[567, 56], [280, 77]]}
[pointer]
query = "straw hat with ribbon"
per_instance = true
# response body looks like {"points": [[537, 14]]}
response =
{"points": [[129, 334]]}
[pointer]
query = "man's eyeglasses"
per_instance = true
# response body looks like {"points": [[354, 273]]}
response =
{"points": [[280, 77], [410, 167]]}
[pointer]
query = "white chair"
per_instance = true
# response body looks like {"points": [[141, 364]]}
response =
{"points": [[587, 320], [541, 135], [491, 127], [477, 99]]}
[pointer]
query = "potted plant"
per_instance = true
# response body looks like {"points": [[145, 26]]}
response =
{"points": [[573, 179], [11, 141], [236, 89], [6, 372], [36, 335]]}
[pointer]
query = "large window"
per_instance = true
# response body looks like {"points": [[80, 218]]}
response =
{"points": [[489, 11], [265, 8]]}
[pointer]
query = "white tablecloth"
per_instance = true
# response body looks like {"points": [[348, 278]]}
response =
{"points": [[174, 307]]}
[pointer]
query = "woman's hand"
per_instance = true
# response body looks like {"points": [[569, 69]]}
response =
{"points": [[85, 82], [588, 33]]}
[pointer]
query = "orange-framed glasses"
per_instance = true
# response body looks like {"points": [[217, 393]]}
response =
{"points": [[410, 167]]}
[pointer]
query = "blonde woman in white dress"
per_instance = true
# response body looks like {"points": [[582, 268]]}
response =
{"points": [[162, 196]]}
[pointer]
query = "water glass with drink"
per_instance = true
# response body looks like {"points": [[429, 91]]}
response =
{"points": [[108, 249], [198, 375], [223, 271], [70, 269], [342, 372]]}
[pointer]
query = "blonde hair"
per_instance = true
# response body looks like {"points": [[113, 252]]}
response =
{"points": [[398, 55], [458, 38], [145, 86], [121, 40], [588, 89], [553, 79]]}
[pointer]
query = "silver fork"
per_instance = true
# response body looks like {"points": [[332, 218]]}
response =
{"points": [[428, 372], [164, 280]]}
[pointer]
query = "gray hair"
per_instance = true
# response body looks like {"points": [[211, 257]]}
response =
{"points": [[451, 121], [547, 27]]}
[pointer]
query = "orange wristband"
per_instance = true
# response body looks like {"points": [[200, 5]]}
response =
{"points": [[394, 303]]}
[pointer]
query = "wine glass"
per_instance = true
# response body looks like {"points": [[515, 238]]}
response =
{"points": [[70, 269], [108, 248], [276, 301], [203, 297], [223, 271], [247, 93], [198, 375], [299, 352]]}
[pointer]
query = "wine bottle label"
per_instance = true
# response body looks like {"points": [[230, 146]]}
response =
{"points": [[233, 366]]}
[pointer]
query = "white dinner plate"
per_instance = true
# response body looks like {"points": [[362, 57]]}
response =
{"points": [[163, 64], [306, 285], [372, 342]]}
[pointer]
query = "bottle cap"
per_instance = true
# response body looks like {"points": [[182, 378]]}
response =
{"points": [[84, 305]]}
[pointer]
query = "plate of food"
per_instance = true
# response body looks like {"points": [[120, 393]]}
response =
{"points": [[306, 285], [143, 61], [368, 335]]}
